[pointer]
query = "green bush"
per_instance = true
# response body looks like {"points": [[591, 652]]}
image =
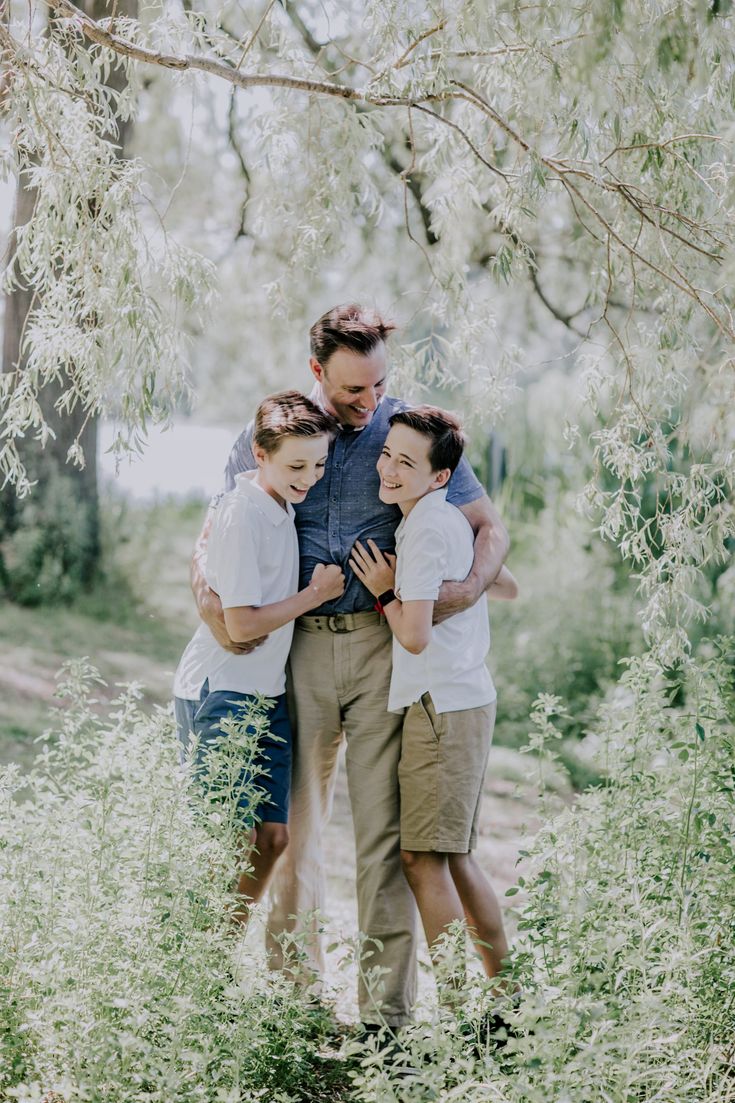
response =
{"points": [[626, 952], [574, 620], [115, 964], [115, 951]]}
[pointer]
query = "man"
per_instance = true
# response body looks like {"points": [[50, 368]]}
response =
{"points": [[340, 664]]}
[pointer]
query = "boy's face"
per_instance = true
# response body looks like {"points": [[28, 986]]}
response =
{"points": [[404, 468], [290, 472]]}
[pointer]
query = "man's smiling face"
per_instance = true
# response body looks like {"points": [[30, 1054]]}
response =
{"points": [[353, 384]]}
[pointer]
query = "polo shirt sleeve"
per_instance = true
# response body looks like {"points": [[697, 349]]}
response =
{"points": [[241, 457], [464, 486], [233, 555], [423, 564]]}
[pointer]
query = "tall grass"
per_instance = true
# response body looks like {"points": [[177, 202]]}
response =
{"points": [[115, 974]]}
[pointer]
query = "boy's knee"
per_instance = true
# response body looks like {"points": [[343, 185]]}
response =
{"points": [[272, 839], [415, 863]]}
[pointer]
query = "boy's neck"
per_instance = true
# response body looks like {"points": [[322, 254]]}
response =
{"points": [[406, 507], [265, 486]]}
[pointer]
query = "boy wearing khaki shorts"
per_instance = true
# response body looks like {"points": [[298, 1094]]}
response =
{"points": [[439, 681]]}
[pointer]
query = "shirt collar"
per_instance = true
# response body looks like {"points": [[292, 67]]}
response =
{"points": [[423, 507], [268, 506]]}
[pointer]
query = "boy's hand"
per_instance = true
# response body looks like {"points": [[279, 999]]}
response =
{"points": [[375, 569], [328, 581]]}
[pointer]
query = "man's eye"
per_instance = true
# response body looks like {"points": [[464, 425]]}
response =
{"points": [[406, 463]]}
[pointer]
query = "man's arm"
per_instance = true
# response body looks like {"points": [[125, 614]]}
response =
{"points": [[491, 547], [207, 601]]}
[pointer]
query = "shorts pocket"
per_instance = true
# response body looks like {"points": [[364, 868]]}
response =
{"points": [[435, 720]]}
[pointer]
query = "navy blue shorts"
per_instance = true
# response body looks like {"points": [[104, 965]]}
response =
{"points": [[271, 769]]}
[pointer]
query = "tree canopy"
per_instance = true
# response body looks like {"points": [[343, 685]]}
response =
{"points": [[581, 156]]}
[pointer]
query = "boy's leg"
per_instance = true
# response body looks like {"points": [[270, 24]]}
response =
{"points": [[482, 911], [385, 905], [262, 849], [436, 894], [297, 888]]}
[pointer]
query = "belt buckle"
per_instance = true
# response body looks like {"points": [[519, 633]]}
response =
{"points": [[336, 623]]}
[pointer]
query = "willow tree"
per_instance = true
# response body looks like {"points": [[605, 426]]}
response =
{"points": [[51, 542], [583, 154]]}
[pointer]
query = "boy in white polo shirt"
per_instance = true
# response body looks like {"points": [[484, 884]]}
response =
{"points": [[253, 564], [439, 678]]}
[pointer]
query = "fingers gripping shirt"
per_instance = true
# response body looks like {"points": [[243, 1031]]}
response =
{"points": [[344, 505]]}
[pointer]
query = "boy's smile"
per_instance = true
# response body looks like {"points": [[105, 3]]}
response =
{"points": [[289, 473], [404, 468]]}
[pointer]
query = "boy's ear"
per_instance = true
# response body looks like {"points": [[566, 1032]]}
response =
{"points": [[441, 478], [259, 453]]}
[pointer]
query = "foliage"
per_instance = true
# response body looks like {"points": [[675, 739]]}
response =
{"points": [[117, 963], [46, 560], [468, 146], [574, 621], [625, 957]]}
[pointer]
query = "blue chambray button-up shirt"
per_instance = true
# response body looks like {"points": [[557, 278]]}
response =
{"points": [[344, 505]]}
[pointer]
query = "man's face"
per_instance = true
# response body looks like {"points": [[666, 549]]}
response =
{"points": [[352, 384], [404, 468]]}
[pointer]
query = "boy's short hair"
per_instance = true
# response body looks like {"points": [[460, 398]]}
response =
{"points": [[289, 414], [442, 428], [349, 326]]}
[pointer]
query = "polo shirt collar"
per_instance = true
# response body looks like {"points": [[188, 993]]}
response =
{"points": [[423, 507], [268, 506]]}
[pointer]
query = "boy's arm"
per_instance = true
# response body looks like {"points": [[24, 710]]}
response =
{"points": [[505, 586], [491, 547], [248, 622], [410, 621]]}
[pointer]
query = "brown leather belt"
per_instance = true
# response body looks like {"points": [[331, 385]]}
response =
{"points": [[340, 622]]}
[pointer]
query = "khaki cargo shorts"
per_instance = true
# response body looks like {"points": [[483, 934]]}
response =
{"points": [[440, 773]]}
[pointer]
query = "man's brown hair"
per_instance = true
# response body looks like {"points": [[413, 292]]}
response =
{"points": [[289, 414], [443, 430], [348, 326]]}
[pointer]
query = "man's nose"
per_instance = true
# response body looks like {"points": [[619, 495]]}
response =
{"points": [[370, 399]]}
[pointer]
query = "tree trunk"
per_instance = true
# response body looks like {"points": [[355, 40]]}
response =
{"points": [[50, 540]]}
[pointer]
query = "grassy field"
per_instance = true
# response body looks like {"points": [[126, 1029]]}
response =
{"points": [[133, 627]]}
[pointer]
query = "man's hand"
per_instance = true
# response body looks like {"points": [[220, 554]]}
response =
{"points": [[211, 613], [375, 569], [209, 605], [455, 597]]}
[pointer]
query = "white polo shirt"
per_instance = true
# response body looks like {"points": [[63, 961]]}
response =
{"points": [[252, 559], [433, 543]]}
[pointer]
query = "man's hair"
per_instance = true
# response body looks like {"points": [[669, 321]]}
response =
{"points": [[443, 430], [348, 326], [289, 414]]}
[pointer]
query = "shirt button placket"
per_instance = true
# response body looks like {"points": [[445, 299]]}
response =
{"points": [[335, 490]]}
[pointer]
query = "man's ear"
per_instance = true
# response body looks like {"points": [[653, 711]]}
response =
{"points": [[316, 369], [441, 478]]}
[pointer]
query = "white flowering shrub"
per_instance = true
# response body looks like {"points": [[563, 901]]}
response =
{"points": [[625, 956], [115, 950]]}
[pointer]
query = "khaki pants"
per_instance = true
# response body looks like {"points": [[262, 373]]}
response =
{"points": [[339, 682]]}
